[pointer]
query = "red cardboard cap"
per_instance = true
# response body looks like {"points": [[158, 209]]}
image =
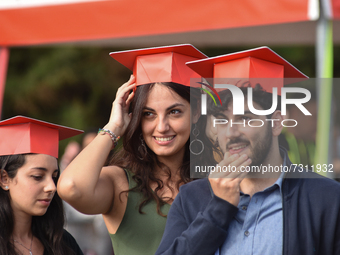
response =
{"points": [[21, 135], [254, 65], [161, 64]]}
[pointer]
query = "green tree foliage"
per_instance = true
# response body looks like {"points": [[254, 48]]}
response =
{"points": [[74, 86], [70, 86]]}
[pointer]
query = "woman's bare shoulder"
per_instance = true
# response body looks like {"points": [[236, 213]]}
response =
{"points": [[117, 176]]}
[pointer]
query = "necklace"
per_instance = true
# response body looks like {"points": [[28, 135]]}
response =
{"points": [[30, 249]]}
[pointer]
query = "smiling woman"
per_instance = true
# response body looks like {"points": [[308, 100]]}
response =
{"points": [[153, 112], [166, 121], [31, 212]]}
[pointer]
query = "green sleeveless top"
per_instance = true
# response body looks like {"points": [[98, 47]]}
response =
{"points": [[139, 234]]}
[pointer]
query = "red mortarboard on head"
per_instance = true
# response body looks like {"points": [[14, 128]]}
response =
{"points": [[161, 64], [21, 135], [255, 66]]}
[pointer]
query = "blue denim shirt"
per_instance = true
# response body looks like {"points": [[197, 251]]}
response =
{"points": [[257, 227]]}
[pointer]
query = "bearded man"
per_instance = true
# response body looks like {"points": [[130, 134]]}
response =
{"points": [[262, 203]]}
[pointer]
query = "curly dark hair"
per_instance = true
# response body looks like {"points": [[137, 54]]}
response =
{"points": [[48, 228], [142, 163]]}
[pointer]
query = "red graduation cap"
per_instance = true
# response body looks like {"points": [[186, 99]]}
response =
{"points": [[21, 135], [160, 64], [260, 65]]}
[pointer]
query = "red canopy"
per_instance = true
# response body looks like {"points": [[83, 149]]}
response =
{"points": [[93, 20], [34, 22]]}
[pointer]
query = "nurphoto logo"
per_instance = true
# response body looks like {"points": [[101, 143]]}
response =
{"points": [[239, 103]]}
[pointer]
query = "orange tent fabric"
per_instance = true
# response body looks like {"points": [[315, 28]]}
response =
{"points": [[128, 18]]}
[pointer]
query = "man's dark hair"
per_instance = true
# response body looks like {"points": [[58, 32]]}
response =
{"points": [[261, 97]]}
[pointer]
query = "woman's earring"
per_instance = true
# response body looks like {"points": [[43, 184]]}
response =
{"points": [[6, 187], [142, 148], [196, 133], [216, 144]]}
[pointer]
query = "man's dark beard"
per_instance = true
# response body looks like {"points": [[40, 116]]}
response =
{"points": [[260, 152]]}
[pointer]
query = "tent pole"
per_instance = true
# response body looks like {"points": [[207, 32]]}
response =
{"points": [[324, 66]]}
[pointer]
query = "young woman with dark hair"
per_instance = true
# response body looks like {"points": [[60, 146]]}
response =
{"points": [[135, 190], [31, 212], [138, 155]]}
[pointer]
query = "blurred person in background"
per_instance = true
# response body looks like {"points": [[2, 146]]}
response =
{"points": [[89, 230]]}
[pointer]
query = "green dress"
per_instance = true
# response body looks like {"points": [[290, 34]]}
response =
{"points": [[139, 234]]}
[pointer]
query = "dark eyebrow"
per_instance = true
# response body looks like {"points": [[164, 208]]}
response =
{"points": [[170, 107], [174, 105], [148, 108], [44, 169], [249, 112], [40, 168], [219, 114]]}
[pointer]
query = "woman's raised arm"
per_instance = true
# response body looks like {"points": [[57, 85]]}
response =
{"points": [[85, 183]]}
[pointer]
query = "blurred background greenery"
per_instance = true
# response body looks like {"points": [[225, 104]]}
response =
{"points": [[75, 86]]}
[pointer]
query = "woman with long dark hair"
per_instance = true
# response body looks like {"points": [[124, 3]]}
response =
{"points": [[136, 188], [31, 212]]}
